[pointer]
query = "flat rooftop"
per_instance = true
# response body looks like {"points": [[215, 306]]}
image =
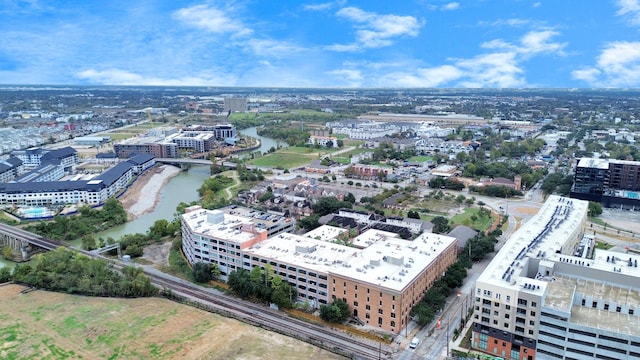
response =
{"points": [[217, 224], [372, 236], [557, 224], [325, 233], [261, 219], [560, 296], [593, 163], [391, 263]]}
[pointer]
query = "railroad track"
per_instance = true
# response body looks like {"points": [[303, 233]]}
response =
{"points": [[331, 340]]}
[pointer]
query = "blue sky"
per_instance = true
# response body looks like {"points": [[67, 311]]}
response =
{"points": [[305, 43]]}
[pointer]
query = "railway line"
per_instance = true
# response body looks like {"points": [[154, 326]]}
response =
{"points": [[332, 340]]}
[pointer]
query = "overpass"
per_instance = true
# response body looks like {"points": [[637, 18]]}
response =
{"points": [[25, 242]]}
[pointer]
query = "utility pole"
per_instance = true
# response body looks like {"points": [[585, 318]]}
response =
{"points": [[448, 322]]}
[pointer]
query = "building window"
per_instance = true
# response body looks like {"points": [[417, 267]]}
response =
{"points": [[355, 304], [367, 316], [393, 323], [534, 304], [508, 298], [356, 287], [368, 307], [380, 311]]}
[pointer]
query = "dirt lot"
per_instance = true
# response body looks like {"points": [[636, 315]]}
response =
{"points": [[45, 325]]}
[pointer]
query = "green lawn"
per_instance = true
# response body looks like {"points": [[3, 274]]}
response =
{"points": [[284, 160], [420, 158], [355, 152], [480, 224], [341, 159]]}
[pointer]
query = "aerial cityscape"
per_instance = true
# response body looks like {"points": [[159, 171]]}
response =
{"points": [[327, 180]]}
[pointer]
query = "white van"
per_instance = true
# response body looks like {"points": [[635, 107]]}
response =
{"points": [[414, 343]]}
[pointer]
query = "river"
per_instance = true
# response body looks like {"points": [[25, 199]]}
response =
{"points": [[265, 142], [182, 187]]}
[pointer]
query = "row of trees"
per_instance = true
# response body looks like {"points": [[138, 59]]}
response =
{"points": [[496, 191], [445, 183], [263, 285], [68, 271], [434, 299]]}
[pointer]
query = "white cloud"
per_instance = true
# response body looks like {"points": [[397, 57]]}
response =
{"points": [[212, 19], [532, 43], [514, 22], [376, 30], [347, 77], [536, 4], [451, 6], [323, 6], [271, 48], [502, 67], [618, 65], [499, 70], [629, 9], [422, 77], [123, 77]]}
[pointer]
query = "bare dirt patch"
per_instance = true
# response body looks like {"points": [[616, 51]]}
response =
{"points": [[41, 324], [158, 254]]}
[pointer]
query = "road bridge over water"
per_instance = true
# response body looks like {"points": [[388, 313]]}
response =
{"points": [[185, 163]]}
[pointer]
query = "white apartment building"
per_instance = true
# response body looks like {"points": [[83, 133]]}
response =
{"points": [[550, 294]]}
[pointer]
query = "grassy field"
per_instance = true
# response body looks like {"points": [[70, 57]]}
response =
{"points": [[355, 152], [420, 158], [290, 157], [480, 224], [46, 325]]}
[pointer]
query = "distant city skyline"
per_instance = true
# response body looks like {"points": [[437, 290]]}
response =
{"points": [[342, 43]]}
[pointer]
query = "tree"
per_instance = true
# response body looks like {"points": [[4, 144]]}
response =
{"points": [[595, 209], [89, 242], [412, 214], [337, 312], [327, 205], [329, 144], [440, 225], [202, 272], [310, 222], [350, 198], [7, 253], [340, 143]]}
